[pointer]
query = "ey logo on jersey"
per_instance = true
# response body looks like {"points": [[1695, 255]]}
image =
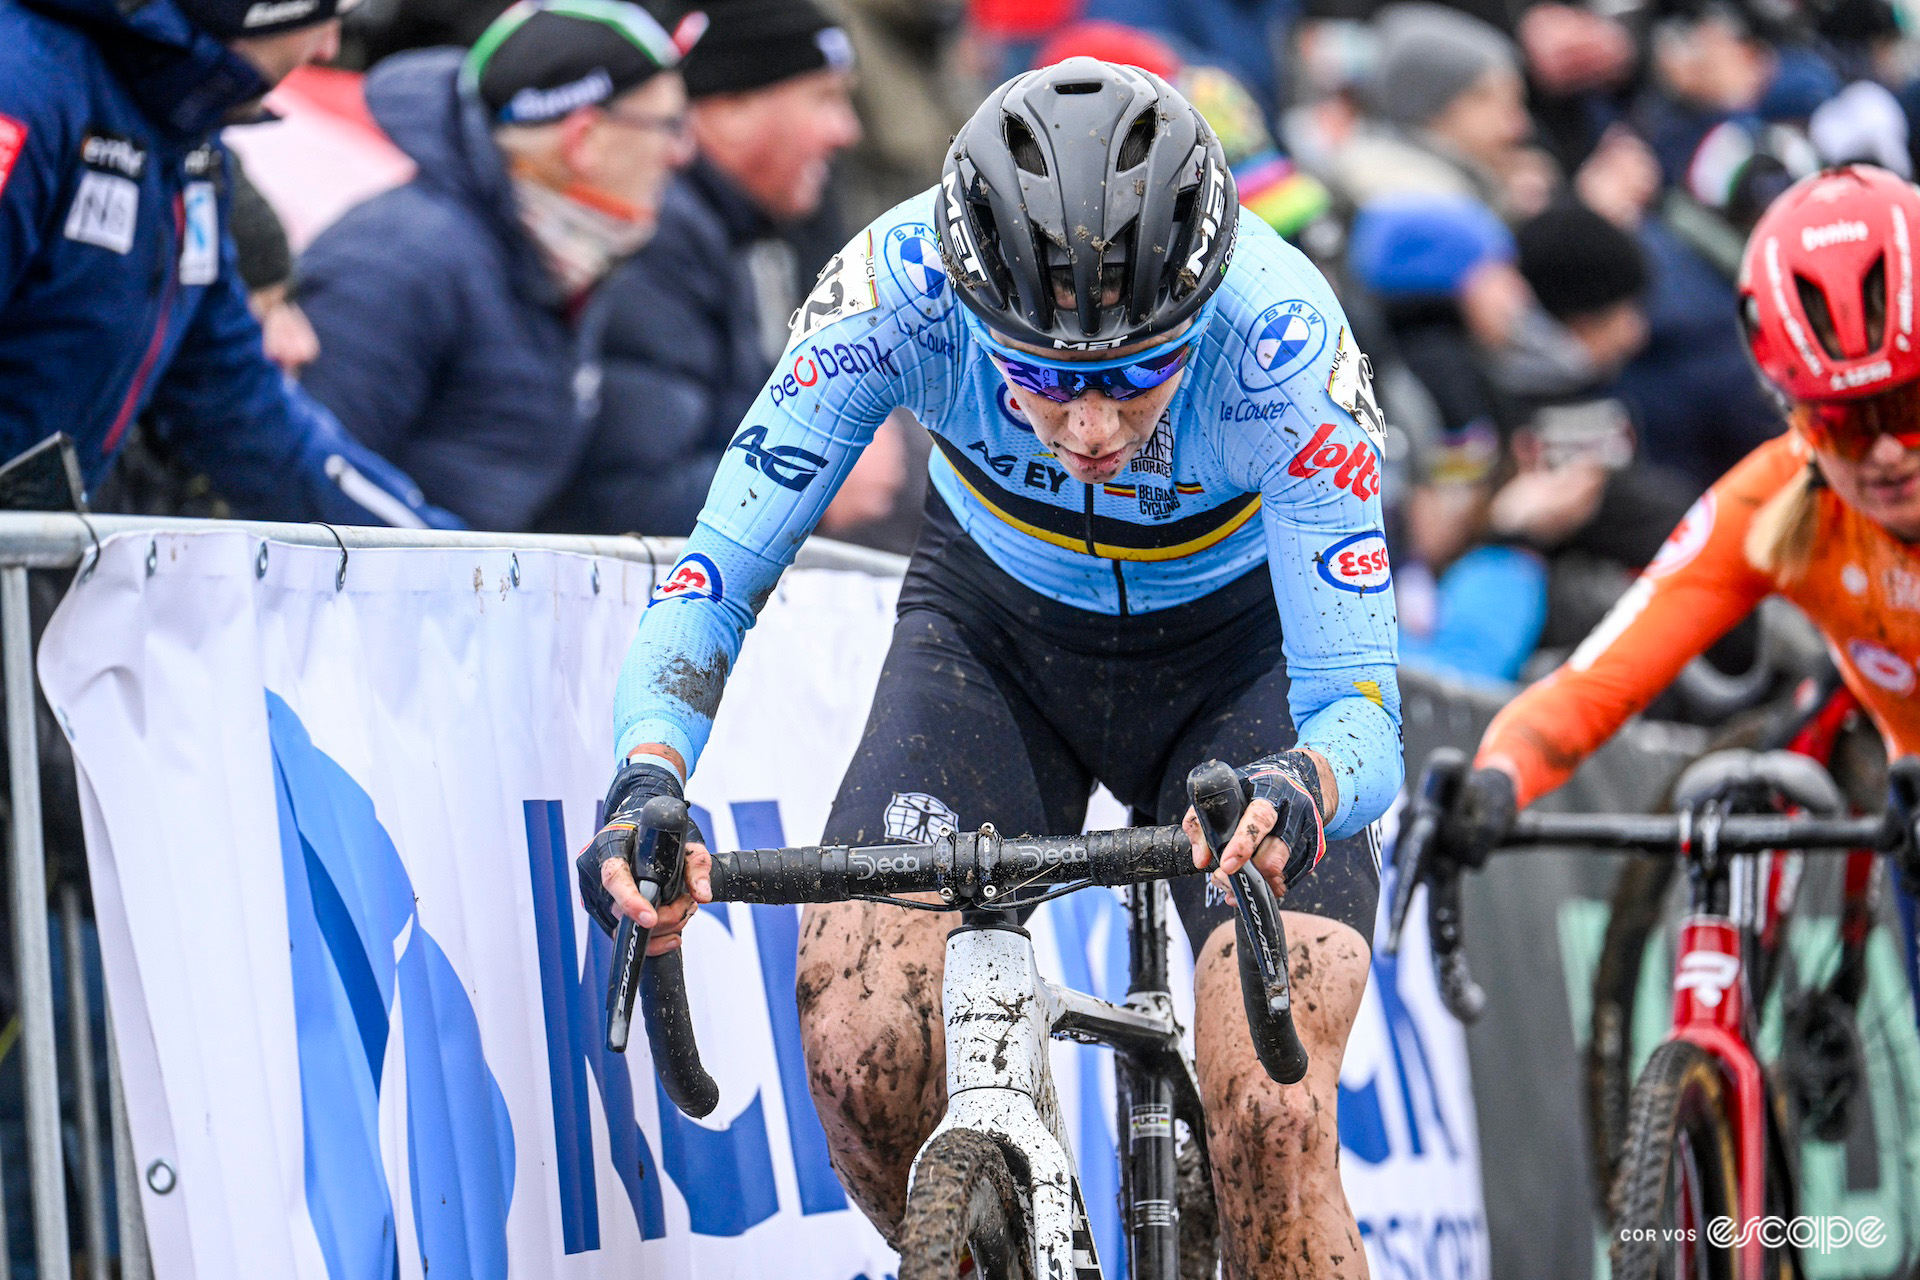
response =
{"points": [[693, 577], [1357, 563], [913, 260], [1281, 341]]}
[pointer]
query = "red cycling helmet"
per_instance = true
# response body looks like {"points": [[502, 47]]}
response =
{"points": [[1827, 304]]}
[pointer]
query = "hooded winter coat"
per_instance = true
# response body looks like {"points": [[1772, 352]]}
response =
{"points": [[445, 342], [119, 290]]}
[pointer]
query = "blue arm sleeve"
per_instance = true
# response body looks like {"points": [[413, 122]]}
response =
{"points": [[1318, 473], [833, 388]]}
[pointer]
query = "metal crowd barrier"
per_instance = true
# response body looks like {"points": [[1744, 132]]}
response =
{"points": [[33, 540]]}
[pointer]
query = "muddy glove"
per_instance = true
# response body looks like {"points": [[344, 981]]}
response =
{"points": [[633, 786], [1291, 784]]}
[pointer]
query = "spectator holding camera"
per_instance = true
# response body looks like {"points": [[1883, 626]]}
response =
{"points": [[120, 294], [458, 332]]}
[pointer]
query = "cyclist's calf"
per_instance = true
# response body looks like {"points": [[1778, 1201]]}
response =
{"points": [[1276, 1148], [868, 987]]}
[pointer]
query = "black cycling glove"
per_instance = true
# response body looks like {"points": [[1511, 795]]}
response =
{"points": [[1290, 782], [633, 786], [1479, 817]]}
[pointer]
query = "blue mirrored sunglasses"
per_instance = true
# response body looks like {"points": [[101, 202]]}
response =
{"points": [[1119, 379]]}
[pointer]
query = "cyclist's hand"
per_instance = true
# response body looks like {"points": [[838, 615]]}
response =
{"points": [[605, 866], [1479, 818], [1281, 832]]}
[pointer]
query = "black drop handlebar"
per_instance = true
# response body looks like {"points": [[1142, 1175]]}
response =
{"points": [[1421, 856], [978, 869]]}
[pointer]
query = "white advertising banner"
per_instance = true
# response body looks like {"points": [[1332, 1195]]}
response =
{"points": [[359, 1009]]}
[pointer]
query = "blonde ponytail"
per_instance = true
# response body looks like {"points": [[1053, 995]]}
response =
{"points": [[1780, 539]]}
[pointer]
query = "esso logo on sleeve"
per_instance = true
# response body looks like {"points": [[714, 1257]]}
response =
{"points": [[1357, 564], [1687, 540], [1881, 665], [694, 577]]}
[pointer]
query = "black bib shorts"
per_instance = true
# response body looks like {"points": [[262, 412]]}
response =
{"points": [[998, 704]]}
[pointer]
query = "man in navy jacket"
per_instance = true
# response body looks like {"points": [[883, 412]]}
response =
{"points": [[119, 291]]}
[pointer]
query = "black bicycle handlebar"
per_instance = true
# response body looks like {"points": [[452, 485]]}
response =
{"points": [[1421, 858], [974, 868]]}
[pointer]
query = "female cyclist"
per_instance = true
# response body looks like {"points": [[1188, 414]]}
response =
{"points": [[1826, 515]]}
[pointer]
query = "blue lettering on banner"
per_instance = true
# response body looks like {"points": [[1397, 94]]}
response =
{"points": [[349, 902], [725, 1176], [787, 465], [913, 260], [1281, 341], [820, 363]]}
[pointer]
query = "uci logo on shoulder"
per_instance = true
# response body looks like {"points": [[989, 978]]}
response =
{"points": [[1281, 341], [694, 577], [1357, 563]]}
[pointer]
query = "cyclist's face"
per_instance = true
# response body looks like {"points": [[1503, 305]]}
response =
{"points": [[1094, 436], [1883, 486]]}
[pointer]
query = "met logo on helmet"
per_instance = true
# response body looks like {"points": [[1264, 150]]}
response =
{"points": [[1846, 379], [957, 227], [1215, 183], [1812, 238]]}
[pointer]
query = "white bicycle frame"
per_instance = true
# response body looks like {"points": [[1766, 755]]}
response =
{"points": [[1000, 1013]]}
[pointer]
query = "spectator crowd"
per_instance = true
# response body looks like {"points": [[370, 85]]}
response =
{"points": [[525, 268]]}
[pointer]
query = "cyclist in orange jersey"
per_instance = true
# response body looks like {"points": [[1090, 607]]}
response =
{"points": [[1827, 515]]}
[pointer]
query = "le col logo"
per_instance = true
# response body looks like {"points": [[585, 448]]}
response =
{"points": [[818, 363], [1357, 563], [1355, 469], [694, 577], [787, 465]]}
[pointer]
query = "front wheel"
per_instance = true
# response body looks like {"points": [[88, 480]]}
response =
{"points": [[1677, 1172], [964, 1218]]}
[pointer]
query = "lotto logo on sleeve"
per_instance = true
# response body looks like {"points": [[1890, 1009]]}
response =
{"points": [[694, 578], [1357, 563], [1355, 469]]}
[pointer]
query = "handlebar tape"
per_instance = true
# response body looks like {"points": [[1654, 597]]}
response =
{"points": [[676, 1057]]}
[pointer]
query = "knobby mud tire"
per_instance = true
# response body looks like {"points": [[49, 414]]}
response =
{"points": [[1678, 1106], [963, 1204], [1637, 909]]}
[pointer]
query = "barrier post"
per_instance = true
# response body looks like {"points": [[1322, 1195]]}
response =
{"points": [[126, 1174], [32, 951], [86, 1104]]}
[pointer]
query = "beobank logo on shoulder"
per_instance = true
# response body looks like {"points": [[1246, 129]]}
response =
{"points": [[1357, 563], [1355, 469], [694, 578]]}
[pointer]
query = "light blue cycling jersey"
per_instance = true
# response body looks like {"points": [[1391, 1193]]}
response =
{"points": [[1268, 451]]}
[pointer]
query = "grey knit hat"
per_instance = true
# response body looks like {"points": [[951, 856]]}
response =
{"points": [[1430, 55]]}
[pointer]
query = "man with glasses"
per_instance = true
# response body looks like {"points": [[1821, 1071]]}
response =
{"points": [[457, 318], [1153, 538], [697, 317]]}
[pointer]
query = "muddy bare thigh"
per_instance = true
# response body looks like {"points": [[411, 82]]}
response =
{"points": [[868, 987]]}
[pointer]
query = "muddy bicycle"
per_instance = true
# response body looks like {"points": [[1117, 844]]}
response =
{"points": [[995, 1191]]}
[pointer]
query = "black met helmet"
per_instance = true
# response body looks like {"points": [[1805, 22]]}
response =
{"points": [[1086, 205]]}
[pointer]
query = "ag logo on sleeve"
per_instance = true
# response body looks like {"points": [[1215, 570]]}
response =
{"points": [[1281, 341], [845, 288]]}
